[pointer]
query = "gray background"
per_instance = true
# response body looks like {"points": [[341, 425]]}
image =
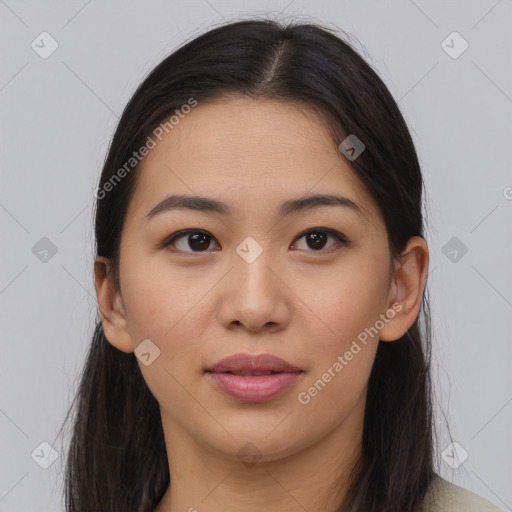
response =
{"points": [[60, 112]]}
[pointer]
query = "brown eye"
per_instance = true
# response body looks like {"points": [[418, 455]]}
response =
{"points": [[190, 241], [316, 239]]}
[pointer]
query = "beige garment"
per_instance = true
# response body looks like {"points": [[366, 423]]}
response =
{"points": [[444, 496]]}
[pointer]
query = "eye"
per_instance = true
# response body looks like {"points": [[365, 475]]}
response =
{"points": [[197, 240], [316, 238]]}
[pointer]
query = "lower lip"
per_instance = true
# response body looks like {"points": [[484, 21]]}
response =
{"points": [[256, 388]]}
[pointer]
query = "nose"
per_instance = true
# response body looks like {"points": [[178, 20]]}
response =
{"points": [[254, 295]]}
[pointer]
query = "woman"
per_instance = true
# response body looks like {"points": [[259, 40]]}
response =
{"points": [[261, 269]]}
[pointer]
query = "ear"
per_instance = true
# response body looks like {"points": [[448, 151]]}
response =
{"points": [[111, 307], [406, 290]]}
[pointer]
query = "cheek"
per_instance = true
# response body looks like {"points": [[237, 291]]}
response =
{"points": [[347, 300], [336, 392], [160, 300], [167, 307], [344, 353], [348, 304]]}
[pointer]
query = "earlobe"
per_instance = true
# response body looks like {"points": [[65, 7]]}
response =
{"points": [[408, 284], [110, 305]]}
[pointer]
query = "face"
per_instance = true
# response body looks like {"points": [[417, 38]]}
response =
{"points": [[309, 284]]}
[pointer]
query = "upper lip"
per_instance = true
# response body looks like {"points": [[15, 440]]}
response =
{"points": [[253, 363]]}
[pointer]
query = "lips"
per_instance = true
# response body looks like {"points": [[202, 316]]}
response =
{"points": [[247, 364], [248, 378]]}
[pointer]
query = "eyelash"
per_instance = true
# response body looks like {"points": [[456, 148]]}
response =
{"points": [[179, 234]]}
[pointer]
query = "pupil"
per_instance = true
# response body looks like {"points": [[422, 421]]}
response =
{"points": [[315, 238], [198, 238]]}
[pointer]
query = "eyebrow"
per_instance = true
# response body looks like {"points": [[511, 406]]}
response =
{"points": [[210, 205]]}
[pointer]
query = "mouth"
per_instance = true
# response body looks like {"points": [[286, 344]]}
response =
{"points": [[250, 379], [245, 373], [248, 364]]}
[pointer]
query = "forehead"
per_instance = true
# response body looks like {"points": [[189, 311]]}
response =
{"points": [[248, 153]]}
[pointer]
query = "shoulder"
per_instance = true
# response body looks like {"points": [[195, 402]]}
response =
{"points": [[443, 496]]}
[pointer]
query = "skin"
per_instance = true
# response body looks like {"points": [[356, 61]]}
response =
{"points": [[303, 304]]}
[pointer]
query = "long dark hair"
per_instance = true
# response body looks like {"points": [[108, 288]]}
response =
{"points": [[117, 456]]}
